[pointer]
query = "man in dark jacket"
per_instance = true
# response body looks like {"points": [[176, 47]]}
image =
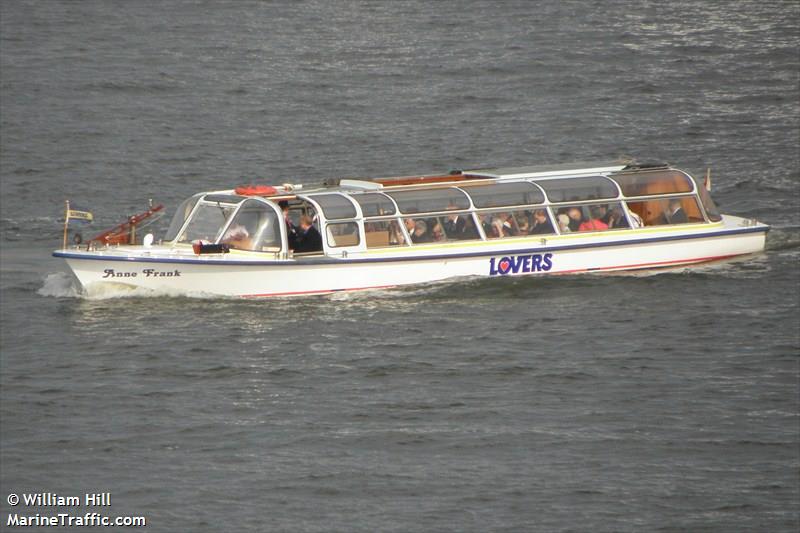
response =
{"points": [[460, 227], [541, 223], [308, 238]]}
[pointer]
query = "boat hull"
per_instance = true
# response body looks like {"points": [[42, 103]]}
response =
{"points": [[243, 276]]}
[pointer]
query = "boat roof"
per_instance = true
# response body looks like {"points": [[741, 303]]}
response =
{"points": [[549, 170], [350, 185]]}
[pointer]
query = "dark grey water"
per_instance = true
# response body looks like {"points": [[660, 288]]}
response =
{"points": [[620, 403]]}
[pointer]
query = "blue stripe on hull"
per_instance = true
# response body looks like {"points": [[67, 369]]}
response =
{"points": [[332, 261]]}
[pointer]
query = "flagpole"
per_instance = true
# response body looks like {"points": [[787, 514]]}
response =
{"points": [[66, 221]]}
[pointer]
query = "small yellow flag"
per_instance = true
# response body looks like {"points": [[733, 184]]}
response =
{"points": [[80, 215]]}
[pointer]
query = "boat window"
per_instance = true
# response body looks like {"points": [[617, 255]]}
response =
{"points": [[375, 204], [459, 227], [255, 227], [518, 223], [206, 223], [335, 206], [343, 234], [592, 217], [430, 200], [181, 214], [662, 211], [708, 203], [293, 210], [579, 189], [653, 182], [453, 227], [382, 233], [505, 194]]}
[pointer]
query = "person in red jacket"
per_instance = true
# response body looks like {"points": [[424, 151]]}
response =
{"points": [[594, 223]]}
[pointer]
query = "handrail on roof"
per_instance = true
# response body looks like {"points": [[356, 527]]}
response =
{"points": [[456, 176]]}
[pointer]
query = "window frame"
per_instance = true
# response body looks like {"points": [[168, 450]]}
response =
{"points": [[390, 219], [201, 203], [479, 187], [542, 183], [402, 213], [279, 219], [329, 237], [688, 179], [355, 198], [175, 228], [315, 198], [667, 198]]}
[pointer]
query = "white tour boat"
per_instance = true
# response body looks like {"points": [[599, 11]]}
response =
{"points": [[356, 234]]}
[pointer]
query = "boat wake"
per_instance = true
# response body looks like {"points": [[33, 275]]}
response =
{"points": [[782, 239], [62, 285], [59, 285]]}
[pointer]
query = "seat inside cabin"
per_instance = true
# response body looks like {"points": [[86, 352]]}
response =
{"points": [[377, 239]]}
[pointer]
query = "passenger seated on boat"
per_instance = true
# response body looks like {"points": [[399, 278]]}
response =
{"points": [[563, 223], [510, 225], [674, 214], [541, 223], [524, 227], [503, 225], [237, 236], [291, 230], [602, 212], [308, 238], [575, 218], [420, 233], [395, 235], [460, 227], [469, 230], [410, 223], [616, 218], [438, 233], [451, 224], [497, 230], [594, 223]]}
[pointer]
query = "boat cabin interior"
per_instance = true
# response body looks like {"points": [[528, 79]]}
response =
{"points": [[359, 215]]}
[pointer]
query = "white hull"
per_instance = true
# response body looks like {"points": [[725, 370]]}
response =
{"points": [[247, 275]]}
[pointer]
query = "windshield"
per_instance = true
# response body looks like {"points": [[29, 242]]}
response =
{"points": [[181, 214], [207, 222], [256, 227], [708, 203]]}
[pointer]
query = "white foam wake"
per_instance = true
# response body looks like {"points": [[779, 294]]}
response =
{"points": [[62, 285], [59, 285]]}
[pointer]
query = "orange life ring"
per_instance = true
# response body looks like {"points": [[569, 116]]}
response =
{"points": [[255, 190]]}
